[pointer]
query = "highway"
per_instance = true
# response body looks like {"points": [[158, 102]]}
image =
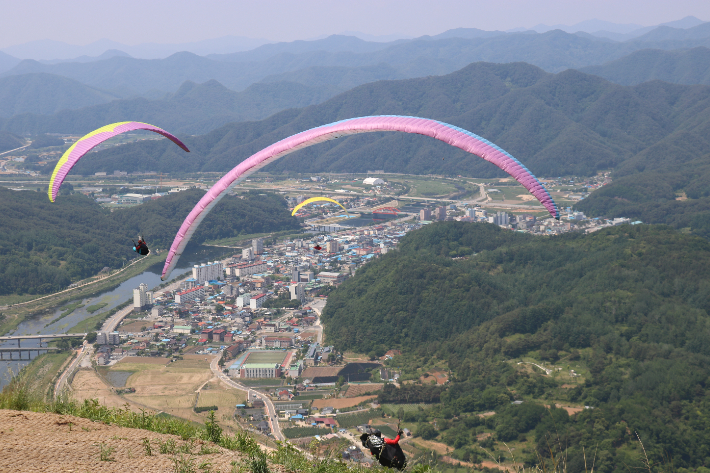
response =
{"points": [[270, 408]]}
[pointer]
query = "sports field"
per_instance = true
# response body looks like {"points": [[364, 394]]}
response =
{"points": [[266, 356]]}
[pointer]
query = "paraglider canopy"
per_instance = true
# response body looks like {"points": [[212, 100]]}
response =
{"points": [[87, 142], [315, 199], [445, 132]]}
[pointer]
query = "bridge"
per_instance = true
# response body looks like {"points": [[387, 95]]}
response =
{"points": [[29, 351], [54, 336]]}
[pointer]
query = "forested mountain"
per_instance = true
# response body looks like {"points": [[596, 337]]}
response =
{"points": [[10, 141], [628, 306], [45, 246], [553, 51], [566, 123], [46, 94], [193, 109], [683, 66]]}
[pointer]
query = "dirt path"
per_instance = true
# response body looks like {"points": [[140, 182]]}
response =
{"points": [[39, 442]]}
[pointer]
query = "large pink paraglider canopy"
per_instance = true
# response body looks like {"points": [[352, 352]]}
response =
{"points": [[450, 134]]}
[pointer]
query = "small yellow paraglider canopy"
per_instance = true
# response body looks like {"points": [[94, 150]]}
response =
{"points": [[315, 199]]}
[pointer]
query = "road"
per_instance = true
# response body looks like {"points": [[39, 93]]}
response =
{"points": [[318, 307], [21, 147], [270, 408], [61, 382]]}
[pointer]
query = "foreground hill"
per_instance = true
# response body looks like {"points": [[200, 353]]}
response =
{"points": [[45, 246], [627, 308]]}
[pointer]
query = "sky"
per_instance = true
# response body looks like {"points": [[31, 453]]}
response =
{"points": [[177, 21]]}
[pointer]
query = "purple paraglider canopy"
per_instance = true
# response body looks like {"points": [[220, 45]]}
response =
{"points": [[450, 134]]}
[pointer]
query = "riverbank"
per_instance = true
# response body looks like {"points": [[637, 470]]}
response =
{"points": [[15, 314]]}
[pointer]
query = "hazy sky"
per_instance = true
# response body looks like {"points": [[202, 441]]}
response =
{"points": [[162, 21]]}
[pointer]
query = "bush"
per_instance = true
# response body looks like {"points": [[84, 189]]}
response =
{"points": [[204, 408]]}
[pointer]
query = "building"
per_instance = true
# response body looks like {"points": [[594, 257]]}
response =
{"points": [[373, 181], [332, 246], [440, 213], [295, 275], [190, 295], [218, 335], [184, 329], [247, 269], [157, 311], [114, 338], [425, 215], [142, 298], [331, 278], [501, 218], [247, 254], [243, 300], [260, 370], [298, 291], [212, 271], [257, 301], [278, 342], [101, 338], [257, 245]]}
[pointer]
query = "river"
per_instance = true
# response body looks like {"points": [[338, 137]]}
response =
{"points": [[49, 325]]}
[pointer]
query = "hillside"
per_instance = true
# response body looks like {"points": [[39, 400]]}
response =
{"points": [[626, 308], [192, 109], [45, 246], [10, 141], [46, 94], [683, 66], [557, 124]]}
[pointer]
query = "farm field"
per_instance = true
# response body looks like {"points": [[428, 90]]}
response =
{"points": [[355, 390], [87, 385], [340, 403]]}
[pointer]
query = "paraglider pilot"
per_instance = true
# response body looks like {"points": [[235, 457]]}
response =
{"points": [[141, 248], [387, 451]]}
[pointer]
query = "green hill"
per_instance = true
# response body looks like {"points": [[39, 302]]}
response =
{"points": [[627, 308], [45, 246]]}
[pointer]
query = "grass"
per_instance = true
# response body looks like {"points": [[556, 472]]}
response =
{"points": [[94, 322], [353, 420], [300, 432], [42, 372], [93, 308]]}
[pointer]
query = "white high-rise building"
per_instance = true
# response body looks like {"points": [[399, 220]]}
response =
{"points": [[298, 291], [212, 271], [257, 245], [142, 298], [247, 254]]}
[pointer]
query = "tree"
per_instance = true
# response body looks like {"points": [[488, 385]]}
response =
{"points": [[91, 337]]}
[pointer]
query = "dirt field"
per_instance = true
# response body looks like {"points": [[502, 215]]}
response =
{"points": [[339, 403], [88, 385], [170, 388], [34, 442], [141, 360], [435, 375], [314, 371], [356, 390], [135, 326], [570, 410]]}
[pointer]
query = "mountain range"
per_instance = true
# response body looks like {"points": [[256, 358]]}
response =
{"points": [[193, 109], [557, 124], [553, 51]]}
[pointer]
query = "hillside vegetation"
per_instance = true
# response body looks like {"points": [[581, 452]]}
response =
{"points": [[45, 246], [627, 307]]}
